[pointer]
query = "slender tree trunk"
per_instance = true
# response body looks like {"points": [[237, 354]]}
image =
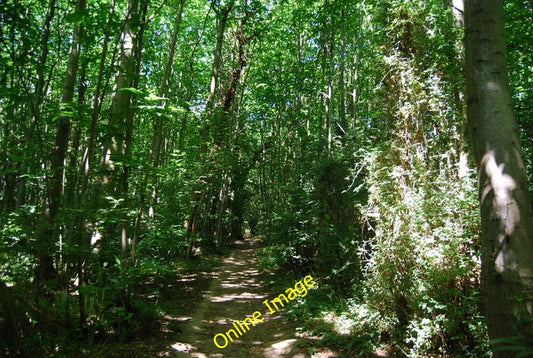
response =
{"points": [[458, 12], [158, 138], [45, 271], [82, 231], [217, 57], [342, 69], [121, 120], [59, 151], [198, 192], [15, 336], [352, 105], [50, 230], [234, 180], [506, 218], [40, 87], [329, 97]]}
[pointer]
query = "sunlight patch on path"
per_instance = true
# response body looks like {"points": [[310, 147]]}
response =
{"points": [[236, 292], [277, 350], [243, 296], [182, 347]]}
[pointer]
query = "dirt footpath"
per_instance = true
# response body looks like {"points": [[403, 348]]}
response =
{"points": [[236, 292], [201, 304]]}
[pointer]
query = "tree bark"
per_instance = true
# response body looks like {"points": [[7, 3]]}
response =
{"points": [[217, 57], [198, 193], [82, 231], [158, 138], [342, 69], [458, 12], [40, 88], [15, 336], [50, 228], [121, 120], [59, 151], [506, 218], [45, 270]]}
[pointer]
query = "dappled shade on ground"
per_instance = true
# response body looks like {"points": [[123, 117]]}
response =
{"points": [[236, 292]]}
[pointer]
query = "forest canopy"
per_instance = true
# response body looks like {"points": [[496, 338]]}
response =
{"points": [[142, 137]]}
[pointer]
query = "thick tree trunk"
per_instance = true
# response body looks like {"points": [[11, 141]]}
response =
{"points": [[506, 218]]}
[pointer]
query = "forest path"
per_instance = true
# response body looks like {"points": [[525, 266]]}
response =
{"points": [[236, 291], [199, 304]]}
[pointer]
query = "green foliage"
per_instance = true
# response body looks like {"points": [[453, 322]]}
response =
{"points": [[343, 148], [314, 223], [16, 253], [164, 243], [112, 308], [345, 325], [512, 344], [353, 327], [519, 31], [422, 262]]}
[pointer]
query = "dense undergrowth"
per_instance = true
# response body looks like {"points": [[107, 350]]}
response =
{"points": [[391, 232], [118, 310], [140, 137]]}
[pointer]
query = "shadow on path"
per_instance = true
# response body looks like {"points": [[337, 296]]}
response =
{"points": [[201, 304], [234, 293]]}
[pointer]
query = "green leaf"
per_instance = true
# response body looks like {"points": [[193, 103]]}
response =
{"points": [[88, 289], [131, 90], [78, 18], [526, 353], [152, 97]]}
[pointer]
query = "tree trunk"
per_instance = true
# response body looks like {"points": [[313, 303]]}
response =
{"points": [[217, 58], [198, 193], [82, 230], [506, 226], [40, 88], [458, 12], [157, 139], [15, 337], [342, 69], [45, 269], [329, 95], [121, 120], [50, 228], [59, 151]]}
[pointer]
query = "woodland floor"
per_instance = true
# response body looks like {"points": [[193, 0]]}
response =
{"points": [[201, 304]]}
